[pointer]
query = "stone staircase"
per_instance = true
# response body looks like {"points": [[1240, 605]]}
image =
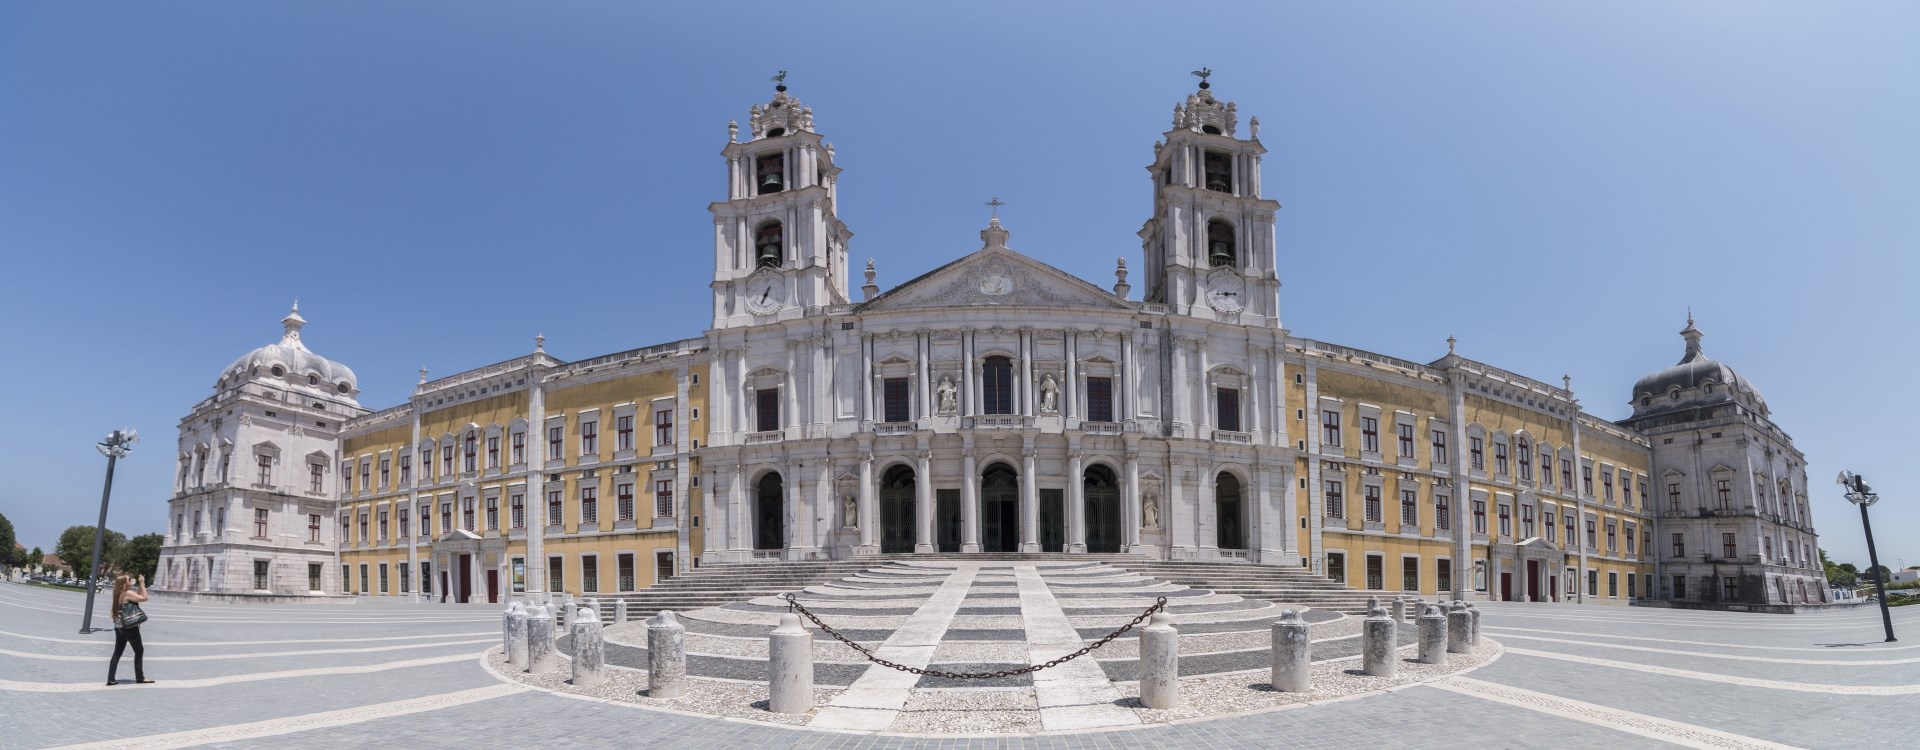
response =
{"points": [[1280, 584]]}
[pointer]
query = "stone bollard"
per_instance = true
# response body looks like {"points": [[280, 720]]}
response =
{"points": [[1433, 635], [593, 605], [1473, 625], [1399, 610], [1378, 639], [667, 656], [540, 656], [1292, 654], [1459, 629], [790, 667], [620, 612], [506, 626], [564, 618], [1160, 662], [589, 649], [517, 635]]}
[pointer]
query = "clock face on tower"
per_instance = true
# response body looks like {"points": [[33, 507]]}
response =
{"points": [[766, 292], [1226, 291]]}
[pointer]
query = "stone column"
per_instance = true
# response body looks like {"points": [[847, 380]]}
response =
{"points": [[1459, 629], [1292, 654], [969, 501], [589, 649], [540, 656], [1433, 635], [1076, 501], [666, 656], [1130, 500], [1029, 499], [790, 667], [924, 537], [1160, 663], [517, 635], [865, 514], [1378, 641]]}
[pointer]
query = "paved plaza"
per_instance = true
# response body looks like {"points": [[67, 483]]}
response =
{"points": [[404, 675]]}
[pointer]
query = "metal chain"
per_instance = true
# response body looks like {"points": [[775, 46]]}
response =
{"points": [[794, 604]]}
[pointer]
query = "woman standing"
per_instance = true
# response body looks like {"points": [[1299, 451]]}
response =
{"points": [[125, 633]]}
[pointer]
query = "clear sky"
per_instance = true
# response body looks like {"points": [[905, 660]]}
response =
{"points": [[1553, 183]]}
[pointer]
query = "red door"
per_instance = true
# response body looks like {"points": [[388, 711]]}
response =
{"points": [[1533, 580], [1506, 586], [493, 587], [465, 592]]}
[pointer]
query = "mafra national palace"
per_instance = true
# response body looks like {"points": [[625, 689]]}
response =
{"points": [[995, 404]]}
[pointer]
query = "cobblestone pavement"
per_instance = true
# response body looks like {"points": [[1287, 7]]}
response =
{"points": [[411, 675]]}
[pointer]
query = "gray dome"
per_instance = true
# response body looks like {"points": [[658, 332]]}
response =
{"points": [[1697, 378], [295, 363]]}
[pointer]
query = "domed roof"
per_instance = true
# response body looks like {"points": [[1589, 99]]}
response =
{"points": [[290, 359], [1694, 371]]}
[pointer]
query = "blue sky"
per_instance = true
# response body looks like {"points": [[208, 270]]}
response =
{"points": [[1553, 183]]}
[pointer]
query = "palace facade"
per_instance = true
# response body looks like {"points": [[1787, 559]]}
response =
{"points": [[994, 404]]}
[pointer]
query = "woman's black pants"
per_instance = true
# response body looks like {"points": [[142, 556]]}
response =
{"points": [[121, 638]]}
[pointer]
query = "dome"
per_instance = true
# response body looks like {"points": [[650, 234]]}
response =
{"points": [[1697, 379], [291, 360]]}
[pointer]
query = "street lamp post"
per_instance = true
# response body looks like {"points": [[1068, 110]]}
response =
{"points": [[1860, 494], [117, 445]]}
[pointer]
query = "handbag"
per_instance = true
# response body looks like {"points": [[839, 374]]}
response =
{"points": [[131, 615]]}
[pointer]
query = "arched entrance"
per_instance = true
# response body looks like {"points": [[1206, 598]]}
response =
{"points": [[897, 510], [1102, 511], [999, 509], [769, 512], [1229, 527]]}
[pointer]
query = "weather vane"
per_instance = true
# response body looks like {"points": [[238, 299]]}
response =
{"points": [[780, 81], [996, 203], [1203, 73]]}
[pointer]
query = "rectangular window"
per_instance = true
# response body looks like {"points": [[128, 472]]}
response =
{"points": [[1337, 566], [314, 473], [623, 501], [556, 574], [996, 385], [493, 514], [1566, 473], [766, 411], [623, 433], [626, 571], [265, 465], [1439, 447], [364, 589], [1586, 481], [426, 577], [406, 581], [1613, 585], [1606, 485], [1723, 492], [346, 578], [1373, 509], [898, 395], [1728, 549], [1409, 574], [1613, 538], [446, 516], [1099, 399], [663, 498], [1336, 504], [313, 527], [1673, 496], [1630, 542], [403, 524], [259, 523], [1626, 495], [1592, 541], [1730, 589], [383, 578], [553, 507], [406, 470], [1593, 582], [1376, 576], [1227, 406], [1679, 587], [589, 573], [589, 438], [1442, 512], [1476, 454], [1500, 459], [1524, 453], [1330, 428], [1547, 525], [426, 464], [1479, 516], [366, 476], [517, 448], [1406, 440], [467, 514], [1506, 520], [1444, 573], [446, 461], [313, 575], [663, 427], [556, 439], [384, 526], [386, 472], [518, 571], [1370, 434], [1526, 521], [364, 536], [1569, 526], [517, 508], [470, 458], [493, 451], [260, 574], [426, 519], [1409, 508], [589, 505], [346, 528]]}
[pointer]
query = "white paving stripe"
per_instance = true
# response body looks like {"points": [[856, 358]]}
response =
{"points": [[1864, 648], [84, 687], [259, 643], [204, 657], [1803, 687], [1504, 612], [302, 723], [1074, 695], [875, 698], [1664, 730], [1738, 657]]}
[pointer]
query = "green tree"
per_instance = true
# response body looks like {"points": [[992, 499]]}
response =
{"points": [[1838, 574], [35, 560], [139, 556], [6, 542], [75, 548]]}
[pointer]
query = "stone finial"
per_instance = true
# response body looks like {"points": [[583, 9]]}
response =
{"points": [[1692, 336], [423, 375], [539, 343], [1120, 286], [1253, 127], [869, 289], [733, 131], [291, 324], [994, 235], [1451, 341]]}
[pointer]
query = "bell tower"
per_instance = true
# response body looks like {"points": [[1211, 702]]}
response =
{"points": [[1210, 244], [778, 246]]}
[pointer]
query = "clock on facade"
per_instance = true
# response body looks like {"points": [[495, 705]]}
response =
{"points": [[1226, 291], [766, 292]]}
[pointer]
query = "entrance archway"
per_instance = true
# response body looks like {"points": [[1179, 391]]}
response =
{"points": [[897, 510], [1229, 528], [769, 513], [999, 509], [1102, 513]]}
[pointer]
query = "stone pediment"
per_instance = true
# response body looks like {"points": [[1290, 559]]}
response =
{"points": [[995, 277]]}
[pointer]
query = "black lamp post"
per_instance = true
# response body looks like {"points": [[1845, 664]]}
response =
{"points": [[117, 445], [1860, 494]]}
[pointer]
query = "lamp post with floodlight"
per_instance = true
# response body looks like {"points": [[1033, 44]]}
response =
{"points": [[117, 445], [1860, 494]]}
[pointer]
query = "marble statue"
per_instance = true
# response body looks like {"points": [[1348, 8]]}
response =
{"points": [[1150, 511], [1049, 394], [850, 513], [947, 394]]}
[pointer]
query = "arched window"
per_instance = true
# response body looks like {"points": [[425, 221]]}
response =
{"points": [[769, 174], [996, 385], [1218, 172], [768, 242], [1220, 248]]}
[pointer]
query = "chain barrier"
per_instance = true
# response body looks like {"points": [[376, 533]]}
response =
{"points": [[793, 604]]}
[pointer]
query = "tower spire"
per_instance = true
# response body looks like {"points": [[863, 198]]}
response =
{"points": [[1692, 336], [292, 323]]}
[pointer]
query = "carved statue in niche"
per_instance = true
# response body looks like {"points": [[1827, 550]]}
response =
{"points": [[947, 395], [1150, 507], [1049, 395], [849, 512]]}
